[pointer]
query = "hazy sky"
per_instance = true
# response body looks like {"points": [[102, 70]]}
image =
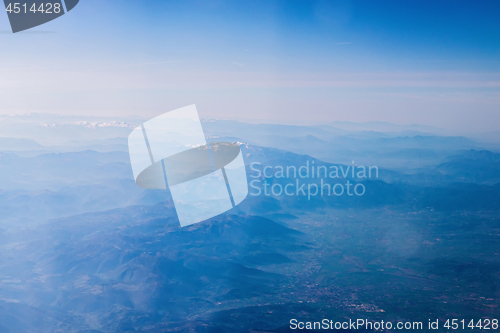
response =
{"points": [[427, 62]]}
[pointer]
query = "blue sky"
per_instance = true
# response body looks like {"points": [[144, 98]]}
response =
{"points": [[428, 62]]}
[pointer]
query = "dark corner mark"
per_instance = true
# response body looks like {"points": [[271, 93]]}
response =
{"points": [[24, 15]]}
